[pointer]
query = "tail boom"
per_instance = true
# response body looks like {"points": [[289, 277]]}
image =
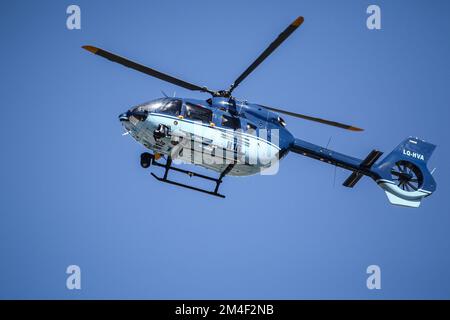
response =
{"points": [[402, 174], [326, 155]]}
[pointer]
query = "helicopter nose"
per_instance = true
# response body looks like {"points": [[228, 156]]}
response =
{"points": [[124, 116]]}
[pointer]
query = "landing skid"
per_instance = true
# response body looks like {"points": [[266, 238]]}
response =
{"points": [[168, 166]]}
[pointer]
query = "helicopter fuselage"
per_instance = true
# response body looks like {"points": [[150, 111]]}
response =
{"points": [[210, 133]]}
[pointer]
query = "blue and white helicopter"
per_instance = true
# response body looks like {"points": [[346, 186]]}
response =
{"points": [[238, 137]]}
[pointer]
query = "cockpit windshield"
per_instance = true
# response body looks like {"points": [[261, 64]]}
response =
{"points": [[165, 105]]}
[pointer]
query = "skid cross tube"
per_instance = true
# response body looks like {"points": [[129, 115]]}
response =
{"points": [[168, 166], [223, 174]]}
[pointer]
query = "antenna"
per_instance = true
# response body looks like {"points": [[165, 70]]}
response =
{"points": [[334, 177], [329, 140]]}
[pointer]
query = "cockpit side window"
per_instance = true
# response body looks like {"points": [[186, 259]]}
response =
{"points": [[198, 113], [172, 107]]}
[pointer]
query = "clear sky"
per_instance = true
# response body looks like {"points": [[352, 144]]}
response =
{"points": [[72, 190]]}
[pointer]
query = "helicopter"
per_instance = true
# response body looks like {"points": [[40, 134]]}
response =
{"points": [[236, 138]]}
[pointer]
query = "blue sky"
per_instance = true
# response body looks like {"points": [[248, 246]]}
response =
{"points": [[73, 191]]}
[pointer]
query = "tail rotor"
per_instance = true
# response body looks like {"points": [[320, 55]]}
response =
{"points": [[407, 176], [404, 174]]}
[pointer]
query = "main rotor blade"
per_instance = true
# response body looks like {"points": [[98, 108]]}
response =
{"points": [[141, 68], [323, 121], [275, 44]]}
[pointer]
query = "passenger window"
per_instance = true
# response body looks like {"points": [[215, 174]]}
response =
{"points": [[195, 112], [172, 107], [231, 122], [251, 129]]}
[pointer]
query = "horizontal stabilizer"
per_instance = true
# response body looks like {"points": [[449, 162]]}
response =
{"points": [[371, 158], [368, 162], [352, 179]]}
